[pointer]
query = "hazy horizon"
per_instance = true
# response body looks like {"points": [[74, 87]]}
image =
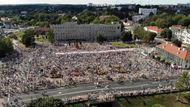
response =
{"points": [[142, 2]]}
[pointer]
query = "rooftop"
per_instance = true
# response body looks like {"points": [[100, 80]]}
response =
{"points": [[154, 28], [174, 50], [41, 28]]}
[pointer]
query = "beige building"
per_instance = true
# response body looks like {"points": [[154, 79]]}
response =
{"points": [[85, 32]]}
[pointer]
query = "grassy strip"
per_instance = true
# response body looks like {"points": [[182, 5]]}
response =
{"points": [[122, 44]]}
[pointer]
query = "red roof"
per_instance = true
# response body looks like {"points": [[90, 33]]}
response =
{"points": [[41, 28], [174, 50], [154, 28]]}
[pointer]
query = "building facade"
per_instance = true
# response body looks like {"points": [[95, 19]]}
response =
{"points": [[137, 18], [85, 32], [147, 11], [176, 55], [182, 34]]}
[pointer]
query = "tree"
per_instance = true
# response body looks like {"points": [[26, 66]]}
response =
{"points": [[161, 23], [85, 17], [184, 21], [166, 33], [177, 42], [50, 36], [46, 102], [139, 32], [6, 46], [28, 37], [183, 81], [100, 38], [151, 14], [107, 19], [126, 36], [149, 37], [152, 23], [163, 34]]}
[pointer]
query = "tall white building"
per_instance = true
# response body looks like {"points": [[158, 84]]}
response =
{"points": [[85, 32], [182, 34], [147, 11]]}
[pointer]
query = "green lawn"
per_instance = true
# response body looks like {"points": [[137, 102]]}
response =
{"points": [[76, 105], [165, 100], [122, 44]]}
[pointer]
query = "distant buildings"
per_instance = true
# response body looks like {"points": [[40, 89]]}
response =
{"points": [[85, 32], [2, 11], [90, 4], [185, 5], [128, 25], [181, 33], [23, 12], [74, 18], [153, 29], [176, 55], [143, 13], [147, 11], [1, 31], [138, 18], [6, 23]]}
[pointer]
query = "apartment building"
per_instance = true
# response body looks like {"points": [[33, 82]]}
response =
{"points": [[181, 33], [85, 32]]}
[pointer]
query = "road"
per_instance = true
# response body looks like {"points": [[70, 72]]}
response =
{"points": [[94, 52], [89, 88]]}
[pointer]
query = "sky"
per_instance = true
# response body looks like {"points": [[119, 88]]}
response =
{"points": [[93, 1]]}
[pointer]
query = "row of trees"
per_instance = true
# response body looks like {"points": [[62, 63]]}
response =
{"points": [[6, 46], [165, 20]]}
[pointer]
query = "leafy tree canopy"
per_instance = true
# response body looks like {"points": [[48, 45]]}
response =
{"points": [[183, 81], [6, 46], [126, 36], [100, 38], [28, 37], [46, 102]]}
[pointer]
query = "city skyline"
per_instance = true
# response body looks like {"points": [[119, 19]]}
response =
{"points": [[143, 2]]}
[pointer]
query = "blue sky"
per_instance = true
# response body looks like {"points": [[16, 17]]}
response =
{"points": [[93, 1]]}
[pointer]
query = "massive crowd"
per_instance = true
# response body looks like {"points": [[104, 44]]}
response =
{"points": [[41, 68]]}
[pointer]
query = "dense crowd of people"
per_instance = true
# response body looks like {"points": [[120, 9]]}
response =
{"points": [[41, 68]]}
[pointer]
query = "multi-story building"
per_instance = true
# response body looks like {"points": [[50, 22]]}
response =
{"points": [[137, 18], [174, 54], [85, 32], [182, 34], [147, 11], [143, 13]]}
